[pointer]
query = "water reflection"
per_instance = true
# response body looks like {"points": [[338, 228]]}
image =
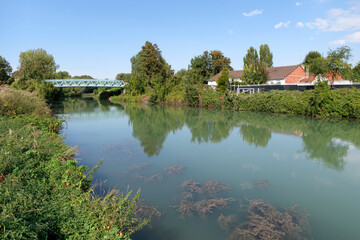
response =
{"points": [[325, 141]]}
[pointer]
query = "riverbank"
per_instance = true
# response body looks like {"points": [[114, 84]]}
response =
{"points": [[318, 103], [45, 193]]}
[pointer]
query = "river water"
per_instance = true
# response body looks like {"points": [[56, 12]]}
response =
{"points": [[282, 160]]}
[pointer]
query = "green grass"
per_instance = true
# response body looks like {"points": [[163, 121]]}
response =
{"points": [[44, 192]]}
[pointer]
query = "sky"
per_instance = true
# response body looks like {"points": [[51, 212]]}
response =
{"points": [[98, 38]]}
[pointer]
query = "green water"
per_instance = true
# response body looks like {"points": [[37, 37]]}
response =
{"points": [[312, 163]]}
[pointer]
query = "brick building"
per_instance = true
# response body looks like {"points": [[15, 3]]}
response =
{"points": [[294, 74]]}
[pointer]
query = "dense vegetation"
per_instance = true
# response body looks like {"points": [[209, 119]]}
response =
{"points": [[44, 193], [152, 80]]}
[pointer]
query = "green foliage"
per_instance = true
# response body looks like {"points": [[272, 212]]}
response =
{"points": [[202, 66], [18, 102], [255, 73], [265, 55], [105, 94], [150, 62], [123, 76], [223, 84], [192, 96], [136, 84], [150, 72], [5, 71], [310, 56], [356, 73], [82, 77], [44, 193], [219, 61], [334, 64], [62, 75], [36, 64], [255, 69], [208, 64], [251, 57]]}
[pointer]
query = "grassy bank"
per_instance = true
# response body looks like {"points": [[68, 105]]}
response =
{"points": [[44, 192], [318, 103]]}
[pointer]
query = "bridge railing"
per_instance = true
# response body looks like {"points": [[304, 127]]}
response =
{"points": [[86, 83]]}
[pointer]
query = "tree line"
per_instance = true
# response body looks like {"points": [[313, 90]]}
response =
{"points": [[151, 75]]}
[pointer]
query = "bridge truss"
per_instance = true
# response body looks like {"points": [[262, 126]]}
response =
{"points": [[86, 83]]}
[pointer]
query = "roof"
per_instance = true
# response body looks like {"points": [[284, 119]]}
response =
{"points": [[274, 72], [281, 72]]}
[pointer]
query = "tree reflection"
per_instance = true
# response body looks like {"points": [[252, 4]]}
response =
{"points": [[254, 135], [326, 141], [152, 124]]}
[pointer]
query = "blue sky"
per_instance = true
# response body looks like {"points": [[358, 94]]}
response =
{"points": [[98, 38]]}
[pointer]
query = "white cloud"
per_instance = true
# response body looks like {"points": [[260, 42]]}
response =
{"points": [[337, 20], [352, 38], [253, 13], [300, 24], [282, 24], [338, 42], [298, 4], [319, 23], [231, 32]]}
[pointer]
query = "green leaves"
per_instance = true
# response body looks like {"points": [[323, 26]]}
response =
{"points": [[255, 69], [223, 84]]}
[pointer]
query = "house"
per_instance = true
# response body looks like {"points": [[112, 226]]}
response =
{"points": [[294, 74]]}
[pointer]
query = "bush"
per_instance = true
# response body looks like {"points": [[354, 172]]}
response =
{"points": [[44, 193], [15, 102], [106, 94]]}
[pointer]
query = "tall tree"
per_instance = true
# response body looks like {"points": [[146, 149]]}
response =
{"points": [[123, 76], [334, 64], [223, 81], [62, 75], [5, 70], [265, 55], [36, 64], [256, 70], [82, 77], [356, 73], [202, 65], [251, 57], [255, 73], [310, 56], [338, 61], [149, 69], [219, 62], [151, 61]]}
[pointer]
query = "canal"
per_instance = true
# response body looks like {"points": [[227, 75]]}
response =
{"points": [[207, 171]]}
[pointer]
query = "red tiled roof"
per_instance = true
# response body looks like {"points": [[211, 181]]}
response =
{"points": [[274, 72]]}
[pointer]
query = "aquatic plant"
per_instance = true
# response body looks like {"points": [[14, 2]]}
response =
{"points": [[140, 167], [192, 187], [174, 170], [187, 195], [145, 211], [211, 188], [227, 223], [265, 222], [261, 183], [202, 207], [153, 178], [214, 187]]}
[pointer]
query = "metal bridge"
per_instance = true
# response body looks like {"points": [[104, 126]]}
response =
{"points": [[86, 83]]}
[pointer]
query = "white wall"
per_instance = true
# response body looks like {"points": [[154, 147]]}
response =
{"points": [[277, 81]]}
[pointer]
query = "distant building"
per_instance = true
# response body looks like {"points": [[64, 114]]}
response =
{"points": [[294, 74]]}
